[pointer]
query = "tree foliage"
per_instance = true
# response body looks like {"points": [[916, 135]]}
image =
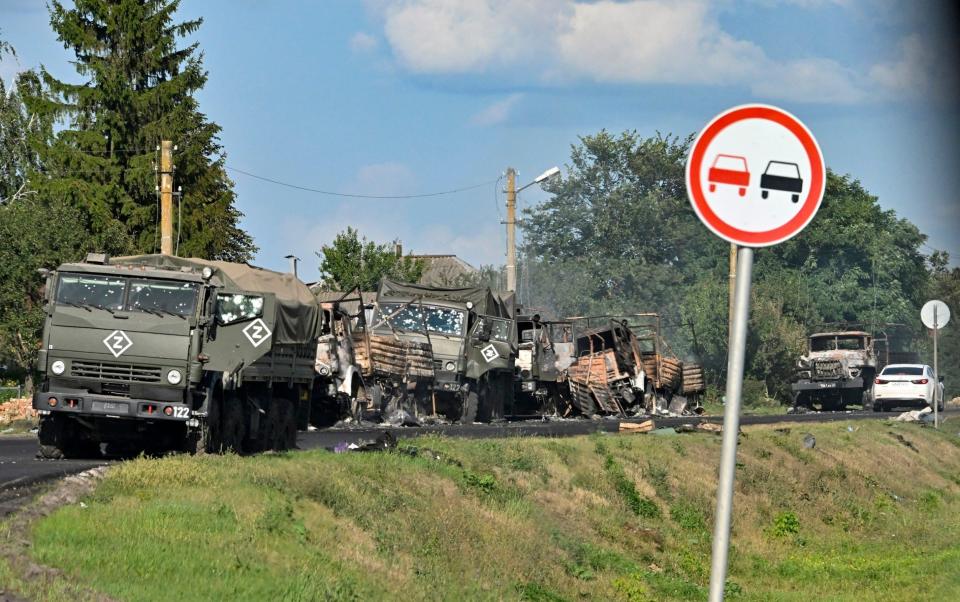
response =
{"points": [[352, 262], [139, 88], [618, 236]]}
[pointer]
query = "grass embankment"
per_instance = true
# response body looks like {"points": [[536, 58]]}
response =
{"points": [[868, 514]]}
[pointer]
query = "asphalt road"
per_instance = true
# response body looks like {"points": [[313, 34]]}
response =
{"points": [[21, 471]]}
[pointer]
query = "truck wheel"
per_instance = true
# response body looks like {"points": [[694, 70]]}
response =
{"points": [[59, 440], [471, 402], [233, 429]]}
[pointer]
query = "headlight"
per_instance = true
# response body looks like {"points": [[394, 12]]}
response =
{"points": [[206, 273], [58, 367], [174, 377], [450, 367]]}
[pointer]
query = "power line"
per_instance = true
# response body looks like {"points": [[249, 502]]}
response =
{"points": [[358, 196]]}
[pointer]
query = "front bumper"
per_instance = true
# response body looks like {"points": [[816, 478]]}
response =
{"points": [[90, 405], [827, 385]]}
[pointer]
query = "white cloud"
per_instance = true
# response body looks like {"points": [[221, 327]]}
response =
{"points": [[497, 112], [916, 72], [652, 41], [362, 42], [463, 36], [808, 80], [633, 42]]}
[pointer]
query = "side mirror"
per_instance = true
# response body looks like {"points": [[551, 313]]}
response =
{"points": [[940, 379]]}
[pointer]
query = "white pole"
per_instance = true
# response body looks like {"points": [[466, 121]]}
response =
{"points": [[731, 423], [936, 374]]}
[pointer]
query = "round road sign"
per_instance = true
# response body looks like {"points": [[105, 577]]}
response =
{"points": [[755, 175], [943, 314]]}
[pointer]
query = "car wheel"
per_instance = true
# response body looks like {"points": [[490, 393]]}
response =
{"points": [[795, 198], [713, 188], [764, 193], [743, 191]]}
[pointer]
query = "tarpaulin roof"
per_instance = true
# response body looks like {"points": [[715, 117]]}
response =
{"points": [[298, 314], [485, 301]]}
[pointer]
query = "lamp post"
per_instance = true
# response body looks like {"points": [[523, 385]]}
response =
{"points": [[511, 222]]}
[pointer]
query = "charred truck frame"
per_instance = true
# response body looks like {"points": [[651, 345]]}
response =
{"points": [[439, 351], [545, 352], [837, 370], [157, 352]]}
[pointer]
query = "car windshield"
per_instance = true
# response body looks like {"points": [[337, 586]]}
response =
{"points": [[105, 292], [786, 170], [730, 162], [903, 371], [162, 295], [443, 320]]}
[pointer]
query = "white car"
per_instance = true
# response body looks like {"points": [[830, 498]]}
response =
{"points": [[901, 385]]}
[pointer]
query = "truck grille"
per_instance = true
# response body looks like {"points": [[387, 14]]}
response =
{"points": [[827, 369], [438, 365], [116, 372]]}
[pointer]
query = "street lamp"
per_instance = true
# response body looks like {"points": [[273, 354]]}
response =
{"points": [[512, 191]]}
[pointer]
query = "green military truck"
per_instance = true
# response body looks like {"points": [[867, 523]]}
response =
{"points": [[439, 351], [156, 353]]}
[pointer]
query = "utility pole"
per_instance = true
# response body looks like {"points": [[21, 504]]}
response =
{"points": [[511, 229], [166, 197]]}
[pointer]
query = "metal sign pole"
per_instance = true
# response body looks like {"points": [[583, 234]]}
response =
{"points": [[936, 373], [731, 423]]}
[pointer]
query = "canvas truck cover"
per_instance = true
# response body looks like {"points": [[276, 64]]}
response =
{"points": [[501, 304], [298, 313]]}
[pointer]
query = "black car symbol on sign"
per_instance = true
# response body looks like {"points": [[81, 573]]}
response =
{"points": [[784, 176]]}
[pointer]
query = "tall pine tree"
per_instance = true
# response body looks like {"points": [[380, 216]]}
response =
{"points": [[139, 89]]}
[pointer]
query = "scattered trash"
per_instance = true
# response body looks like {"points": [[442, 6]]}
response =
{"points": [[384, 442], [904, 441], [402, 418], [634, 427], [809, 441], [710, 427], [664, 432], [924, 415], [83, 505]]}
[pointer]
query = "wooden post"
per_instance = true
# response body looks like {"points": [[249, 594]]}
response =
{"points": [[511, 229], [166, 197]]}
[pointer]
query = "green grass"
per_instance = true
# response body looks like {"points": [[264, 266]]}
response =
{"points": [[613, 517]]}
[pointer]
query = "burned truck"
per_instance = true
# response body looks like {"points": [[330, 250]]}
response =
{"points": [[157, 353], [545, 352], [607, 375], [439, 352], [838, 370], [339, 389]]}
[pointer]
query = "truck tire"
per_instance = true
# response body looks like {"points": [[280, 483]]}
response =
{"points": [[471, 401], [59, 441], [233, 429]]}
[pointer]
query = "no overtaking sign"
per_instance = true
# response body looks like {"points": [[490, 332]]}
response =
{"points": [[755, 175]]}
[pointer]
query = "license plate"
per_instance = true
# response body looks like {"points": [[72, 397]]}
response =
{"points": [[110, 406]]}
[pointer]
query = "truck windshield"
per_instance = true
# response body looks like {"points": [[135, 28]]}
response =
{"points": [[127, 294], [167, 296], [105, 292], [833, 343], [444, 320]]}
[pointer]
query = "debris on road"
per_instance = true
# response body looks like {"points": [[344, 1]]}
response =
{"points": [[809, 441], [632, 427], [924, 415]]}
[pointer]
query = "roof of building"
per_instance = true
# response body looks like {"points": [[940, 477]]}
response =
{"points": [[444, 270]]}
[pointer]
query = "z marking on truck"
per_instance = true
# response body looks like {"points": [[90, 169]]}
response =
{"points": [[257, 332], [117, 342], [490, 353]]}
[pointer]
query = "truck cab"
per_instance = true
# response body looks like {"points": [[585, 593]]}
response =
{"points": [[837, 370]]}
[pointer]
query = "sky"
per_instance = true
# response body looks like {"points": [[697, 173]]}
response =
{"points": [[395, 97]]}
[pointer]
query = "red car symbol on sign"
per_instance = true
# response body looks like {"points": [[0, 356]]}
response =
{"points": [[729, 169]]}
